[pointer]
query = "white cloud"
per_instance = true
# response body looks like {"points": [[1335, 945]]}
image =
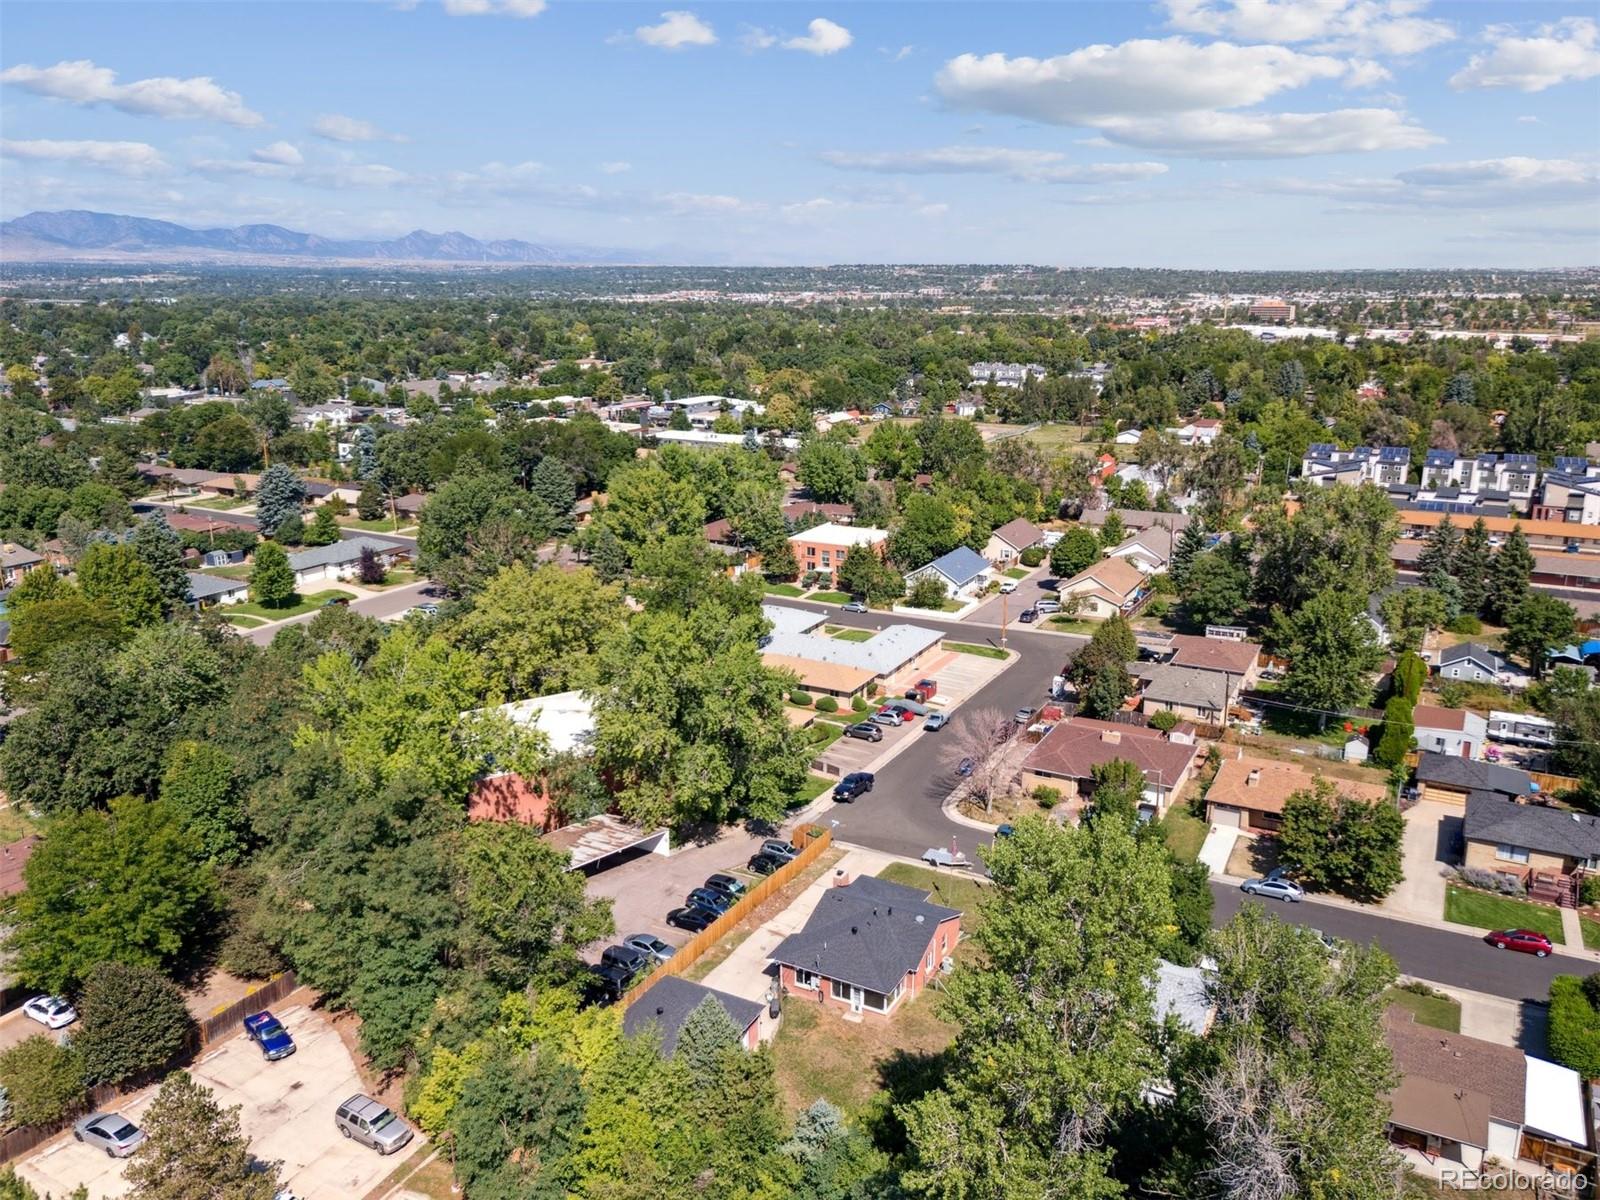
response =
{"points": [[1388, 27], [1564, 52], [933, 210], [615, 168], [1514, 171], [1144, 76], [676, 30], [1513, 182], [822, 37], [282, 153], [1365, 73], [693, 203], [1271, 135], [335, 176], [337, 127], [127, 158], [897, 55], [82, 82], [1034, 166], [489, 8], [755, 38]]}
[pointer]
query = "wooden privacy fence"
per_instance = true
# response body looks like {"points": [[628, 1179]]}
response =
{"points": [[225, 1020], [812, 842]]}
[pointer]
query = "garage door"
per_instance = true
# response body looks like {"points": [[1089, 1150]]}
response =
{"points": [[1222, 814]]}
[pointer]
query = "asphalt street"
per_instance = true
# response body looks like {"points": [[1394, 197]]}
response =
{"points": [[384, 604], [904, 815]]}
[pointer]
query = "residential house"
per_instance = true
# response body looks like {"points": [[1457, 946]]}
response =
{"points": [[566, 719], [1546, 849], [1107, 588], [321, 491], [14, 857], [1128, 437], [1149, 550], [1249, 793], [823, 548], [1524, 729], [1470, 662], [1201, 432], [1065, 759], [1457, 731], [1137, 518], [208, 590], [835, 667], [868, 946], [15, 562], [1325, 464], [666, 1004], [799, 510], [1006, 544], [1194, 695], [1182, 994], [341, 560], [1234, 657], [1006, 375], [1570, 498], [963, 573], [1463, 1100], [1450, 779], [239, 485]]}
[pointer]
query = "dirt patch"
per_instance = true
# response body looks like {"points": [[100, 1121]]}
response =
{"points": [[216, 992], [1253, 856]]}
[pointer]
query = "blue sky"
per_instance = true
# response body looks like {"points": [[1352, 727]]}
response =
{"points": [[1186, 133]]}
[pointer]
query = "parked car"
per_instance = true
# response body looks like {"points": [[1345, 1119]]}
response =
{"points": [[266, 1031], [965, 767], [607, 983], [427, 609], [884, 717], [857, 783], [692, 917], [337, 602], [865, 730], [728, 884], [717, 902], [53, 1012], [925, 690], [1286, 890], [629, 958], [779, 849], [1027, 616], [1527, 941], [936, 720], [1047, 606], [1571, 548], [1004, 831], [1022, 716], [856, 606], [902, 716], [649, 943], [111, 1132], [764, 864], [372, 1124], [1007, 586]]}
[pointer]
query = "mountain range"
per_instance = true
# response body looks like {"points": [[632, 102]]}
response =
{"points": [[77, 235]]}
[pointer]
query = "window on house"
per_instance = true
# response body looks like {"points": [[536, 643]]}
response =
{"points": [[825, 559], [877, 1001], [811, 551], [1516, 854], [805, 979]]}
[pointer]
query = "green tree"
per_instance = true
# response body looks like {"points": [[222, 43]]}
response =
{"points": [[1411, 614], [1410, 673], [271, 577], [40, 583], [1439, 552], [517, 1125], [324, 529], [114, 576], [536, 629], [280, 494], [42, 628], [127, 885], [194, 1147], [1574, 1023], [1472, 568], [1332, 651], [551, 481], [161, 550], [836, 1161], [863, 573], [927, 592], [369, 502], [1509, 575], [1038, 1077], [134, 1020], [929, 527], [291, 531], [1077, 550], [1217, 589], [1399, 733], [1112, 532], [1100, 670], [1342, 843], [1190, 544], [43, 1080], [831, 470], [199, 784], [1342, 538], [1536, 625]]}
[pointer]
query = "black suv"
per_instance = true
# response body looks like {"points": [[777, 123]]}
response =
{"points": [[857, 783]]}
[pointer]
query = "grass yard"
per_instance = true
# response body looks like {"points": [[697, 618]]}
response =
{"points": [[221, 503], [1464, 906], [856, 635], [428, 1175], [1019, 573], [396, 577], [240, 571], [1591, 933], [242, 622], [980, 651], [380, 525], [1435, 1011], [782, 589], [1184, 831], [813, 787], [304, 604], [950, 890], [1073, 624], [15, 824], [1057, 437], [830, 597], [944, 606], [824, 734]]}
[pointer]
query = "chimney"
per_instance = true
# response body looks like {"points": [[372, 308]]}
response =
{"points": [[1253, 778], [1111, 737], [841, 878]]}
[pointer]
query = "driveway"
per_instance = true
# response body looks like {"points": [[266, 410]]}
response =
{"points": [[14, 1028], [1029, 590], [286, 1109], [1433, 831]]}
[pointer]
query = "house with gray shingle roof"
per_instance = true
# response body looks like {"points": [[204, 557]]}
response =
{"points": [[868, 946], [1531, 840], [325, 564], [962, 572], [206, 590], [667, 1003]]}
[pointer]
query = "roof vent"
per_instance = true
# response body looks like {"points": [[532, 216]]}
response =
{"points": [[661, 1010], [919, 918], [1253, 778], [853, 929]]}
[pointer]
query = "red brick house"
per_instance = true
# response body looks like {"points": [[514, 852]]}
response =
{"points": [[868, 946]]}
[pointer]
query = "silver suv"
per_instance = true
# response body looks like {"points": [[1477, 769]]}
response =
{"points": [[372, 1124]]}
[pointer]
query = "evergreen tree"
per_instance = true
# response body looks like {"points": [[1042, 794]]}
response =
{"points": [[279, 496], [366, 453], [1191, 541], [271, 578], [551, 481], [1438, 558], [1508, 578], [291, 530], [1399, 733], [1112, 532], [1291, 380], [161, 549], [369, 504], [1472, 567], [324, 530]]}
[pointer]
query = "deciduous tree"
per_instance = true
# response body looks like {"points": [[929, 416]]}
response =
{"points": [[1342, 843], [1537, 625], [195, 1148], [134, 1020], [114, 576], [272, 579], [1077, 550]]}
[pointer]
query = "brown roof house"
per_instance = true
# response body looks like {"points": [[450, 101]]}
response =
{"points": [[1066, 757], [1006, 544], [1110, 587], [1229, 656], [1249, 793]]}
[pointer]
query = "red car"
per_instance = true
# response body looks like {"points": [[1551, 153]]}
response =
{"points": [[905, 714], [1526, 940]]}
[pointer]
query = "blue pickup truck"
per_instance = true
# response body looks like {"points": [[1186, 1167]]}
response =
{"points": [[266, 1031]]}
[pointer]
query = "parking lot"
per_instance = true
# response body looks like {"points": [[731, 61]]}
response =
{"points": [[14, 1028], [286, 1109]]}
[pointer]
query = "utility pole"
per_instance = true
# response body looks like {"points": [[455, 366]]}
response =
{"points": [[1002, 620]]}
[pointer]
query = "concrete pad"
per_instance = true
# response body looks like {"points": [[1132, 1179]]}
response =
{"points": [[1218, 848], [1519, 1023], [1432, 833]]}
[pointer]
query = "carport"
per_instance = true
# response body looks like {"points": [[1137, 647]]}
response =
{"points": [[606, 841]]}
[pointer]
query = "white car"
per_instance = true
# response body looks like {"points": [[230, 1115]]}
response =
{"points": [[1007, 586], [50, 1011]]}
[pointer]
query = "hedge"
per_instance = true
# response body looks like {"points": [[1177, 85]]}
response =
{"points": [[827, 704], [1575, 1024], [803, 699], [1033, 556], [857, 704]]}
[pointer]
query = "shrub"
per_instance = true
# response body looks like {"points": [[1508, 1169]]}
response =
{"points": [[927, 592], [1488, 881], [1033, 556], [873, 689], [1158, 608], [1164, 720], [803, 699], [291, 530], [1453, 694], [827, 704], [1466, 623], [1575, 1025], [1590, 892], [134, 1020], [370, 569], [857, 704], [1046, 797], [44, 1080]]}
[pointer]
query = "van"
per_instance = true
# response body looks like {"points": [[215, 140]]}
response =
{"points": [[1047, 606], [372, 1124]]}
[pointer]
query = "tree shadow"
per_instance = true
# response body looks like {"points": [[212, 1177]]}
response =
{"points": [[903, 1077]]}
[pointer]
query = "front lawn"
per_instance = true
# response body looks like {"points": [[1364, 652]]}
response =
{"points": [[302, 604], [782, 589], [397, 577], [1435, 1010], [1591, 933], [980, 651], [813, 787], [220, 503], [944, 606], [242, 622], [856, 635], [1074, 624], [1018, 573], [239, 571], [830, 597], [1464, 906], [1184, 831], [377, 525], [949, 889]]}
